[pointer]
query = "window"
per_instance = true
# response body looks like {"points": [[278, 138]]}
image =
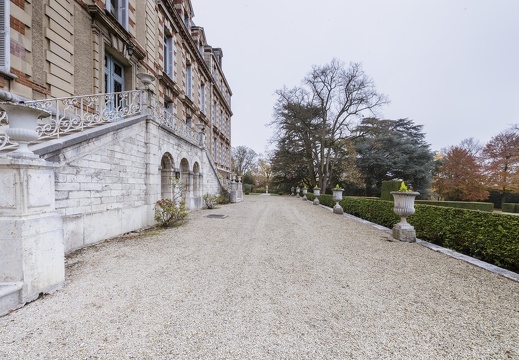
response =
{"points": [[170, 106], [119, 10], [187, 21], [215, 150], [5, 45], [189, 122], [202, 98], [189, 81], [114, 75], [169, 53]]}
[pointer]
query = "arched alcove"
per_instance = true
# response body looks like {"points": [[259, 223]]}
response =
{"points": [[166, 176]]}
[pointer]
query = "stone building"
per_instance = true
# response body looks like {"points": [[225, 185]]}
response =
{"points": [[134, 99]]}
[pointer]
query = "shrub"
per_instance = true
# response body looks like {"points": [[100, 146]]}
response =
{"points": [[387, 187], [224, 198], [510, 208], [167, 213], [210, 201], [247, 188], [490, 237]]}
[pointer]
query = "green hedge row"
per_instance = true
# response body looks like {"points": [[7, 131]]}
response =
{"points": [[481, 206], [510, 207], [490, 237]]}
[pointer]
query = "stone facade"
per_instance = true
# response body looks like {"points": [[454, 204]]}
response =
{"points": [[88, 183], [63, 48]]}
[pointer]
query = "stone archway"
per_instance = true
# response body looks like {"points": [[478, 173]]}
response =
{"points": [[185, 180], [197, 189], [166, 176]]}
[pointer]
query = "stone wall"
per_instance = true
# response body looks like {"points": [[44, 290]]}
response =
{"points": [[108, 182]]}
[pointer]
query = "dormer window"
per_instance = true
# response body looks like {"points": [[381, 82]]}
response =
{"points": [[119, 10], [187, 21]]}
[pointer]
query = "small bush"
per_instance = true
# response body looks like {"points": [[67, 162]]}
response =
{"points": [[510, 208], [167, 213], [210, 201], [224, 198]]}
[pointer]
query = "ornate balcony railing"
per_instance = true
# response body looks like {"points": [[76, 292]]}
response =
{"points": [[75, 114], [165, 117]]}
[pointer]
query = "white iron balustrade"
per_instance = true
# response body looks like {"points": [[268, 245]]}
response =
{"points": [[75, 114]]}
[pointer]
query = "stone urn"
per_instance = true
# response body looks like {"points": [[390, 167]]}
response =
{"points": [[317, 192], [337, 197], [404, 207], [23, 121], [305, 191], [298, 189]]}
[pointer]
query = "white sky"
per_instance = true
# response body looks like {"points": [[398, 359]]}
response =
{"points": [[450, 65]]}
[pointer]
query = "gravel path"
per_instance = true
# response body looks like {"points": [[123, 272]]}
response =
{"points": [[278, 278]]}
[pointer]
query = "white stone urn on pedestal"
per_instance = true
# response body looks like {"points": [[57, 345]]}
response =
{"points": [[317, 192], [23, 121], [337, 196], [404, 207], [305, 191], [298, 189]]}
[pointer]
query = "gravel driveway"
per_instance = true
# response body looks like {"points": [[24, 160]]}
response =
{"points": [[278, 278]]}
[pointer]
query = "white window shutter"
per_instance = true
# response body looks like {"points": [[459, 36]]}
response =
{"points": [[5, 39], [123, 13]]}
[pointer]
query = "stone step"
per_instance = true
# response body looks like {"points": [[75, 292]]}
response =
{"points": [[9, 296]]}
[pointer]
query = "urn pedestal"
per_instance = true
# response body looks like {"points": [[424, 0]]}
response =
{"points": [[337, 197], [404, 207], [317, 192]]}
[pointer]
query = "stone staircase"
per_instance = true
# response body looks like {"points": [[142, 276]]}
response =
{"points": [[10, 296]]}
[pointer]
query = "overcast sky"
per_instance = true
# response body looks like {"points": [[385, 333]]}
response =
{"points": [[450, 65]]}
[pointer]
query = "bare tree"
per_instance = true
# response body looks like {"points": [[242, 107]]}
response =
{"points": [[243, 159], [321, 113]]}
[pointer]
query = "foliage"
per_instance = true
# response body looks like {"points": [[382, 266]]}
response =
{"points": [[387, 187], [496, 197], [312, 122], [460, 177], [210, 200], [501, 155], [243, 159], [510, 207], [167, 213], [491, 237], [393, 149], [481, 206], [224, 198]]}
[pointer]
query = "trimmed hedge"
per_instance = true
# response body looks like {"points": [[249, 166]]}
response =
{"points": [[481, 206], [490, 237], [387, 187], [510, 207]]}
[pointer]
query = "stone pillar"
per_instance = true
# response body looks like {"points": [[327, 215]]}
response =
{"points": [[233, 191], [31, 230], [239, 191]]}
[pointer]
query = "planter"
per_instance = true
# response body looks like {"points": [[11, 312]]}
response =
{"points": [[317, 192], [297, 191], [337, 196], [23, 121], [404, 207], [146, 79], [305, 191]]}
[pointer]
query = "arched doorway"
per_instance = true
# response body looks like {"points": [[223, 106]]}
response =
{"points": [[166, 176], [184, 178]]}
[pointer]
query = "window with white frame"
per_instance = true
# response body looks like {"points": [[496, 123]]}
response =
{"points": [[189, 81], [119, 10], [202, 98], [215, 150], [169, 53], [5, 45]]}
